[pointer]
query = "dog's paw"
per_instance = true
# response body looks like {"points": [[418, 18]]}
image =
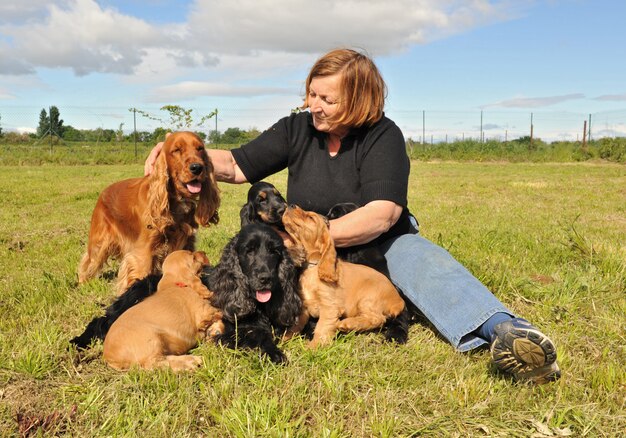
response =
{"points": [[215, 329], [276, 356], [187, 362]]}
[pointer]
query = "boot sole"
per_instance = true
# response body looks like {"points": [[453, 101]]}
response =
{"points": [[526, 354]]}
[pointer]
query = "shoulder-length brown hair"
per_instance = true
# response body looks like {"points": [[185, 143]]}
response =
{"points": [[362, 88]]}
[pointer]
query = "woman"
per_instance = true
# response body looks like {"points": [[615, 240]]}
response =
{"points": [[344, 149]]}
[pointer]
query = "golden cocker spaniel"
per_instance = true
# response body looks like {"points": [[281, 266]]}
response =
{"points": [[142, 220], [344, 296]]}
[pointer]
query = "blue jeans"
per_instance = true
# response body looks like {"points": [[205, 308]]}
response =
{"points": [[448, 295]]}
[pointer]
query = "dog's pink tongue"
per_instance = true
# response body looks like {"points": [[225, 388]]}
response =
{"points": [[263, 296], [194, 187]]}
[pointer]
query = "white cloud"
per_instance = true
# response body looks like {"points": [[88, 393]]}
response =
{"points": [[18, 12], [81, 36], [191, 89], [534, 102], [302, 26], [612, 97], [85, 37]]}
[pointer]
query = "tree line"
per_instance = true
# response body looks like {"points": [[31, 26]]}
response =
{"points": [[51, 124]]}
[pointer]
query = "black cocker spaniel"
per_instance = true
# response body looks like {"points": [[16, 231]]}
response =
{"points": [[265, 204], [255, 284], [256, 287]]}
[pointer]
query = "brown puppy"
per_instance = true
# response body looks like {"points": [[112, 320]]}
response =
{"points": [[142, 220], [344, 296], [159, 331]]}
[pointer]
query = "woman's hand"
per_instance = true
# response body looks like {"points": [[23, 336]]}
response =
{"points": [[148, 166]]}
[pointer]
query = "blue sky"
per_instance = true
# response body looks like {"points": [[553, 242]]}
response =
{"points": [[558, 60]]}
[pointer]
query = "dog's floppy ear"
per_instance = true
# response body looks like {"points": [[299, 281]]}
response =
{"points": [[158, 199], [200, 258], [230, 285], [291, 306], [209, 203], [247, 214], [327, 268]]}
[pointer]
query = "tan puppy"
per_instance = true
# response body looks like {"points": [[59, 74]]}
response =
{"points": [[159, 331], [344, 296]]}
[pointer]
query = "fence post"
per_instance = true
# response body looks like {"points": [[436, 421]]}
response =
{"points": [[532, 127], [424, 125], [50, 127], [135, 128], [585, 135], [215, 122], [481, 127]]}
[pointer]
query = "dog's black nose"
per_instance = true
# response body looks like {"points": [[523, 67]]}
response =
{"points": [[264, 278], [196, 168]]}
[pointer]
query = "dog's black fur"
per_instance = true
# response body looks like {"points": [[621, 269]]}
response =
{"points": [[265, 205], [99, 326], [368, 254], [255, 259]]}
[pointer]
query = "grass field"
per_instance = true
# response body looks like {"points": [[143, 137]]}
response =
{"points": [[548, 239]]}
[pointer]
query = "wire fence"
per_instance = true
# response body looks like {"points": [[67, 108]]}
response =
{"points": [[422, 126]]}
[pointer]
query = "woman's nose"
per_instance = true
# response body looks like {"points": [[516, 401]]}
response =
{"points": [[314, 104]]}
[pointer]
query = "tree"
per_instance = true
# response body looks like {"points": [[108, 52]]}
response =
{"points": [[233, 136], [158, 135], [50, 124], [179, 118], [72, 134], [44, 123], [56, 124], [0, 125], [119, 134]]}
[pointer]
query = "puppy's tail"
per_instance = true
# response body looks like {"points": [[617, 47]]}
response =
{"points": [[397, 329], [99, 326]]}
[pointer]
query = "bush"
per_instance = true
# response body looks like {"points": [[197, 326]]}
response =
{"points": [[613, 149], [15, 138]]}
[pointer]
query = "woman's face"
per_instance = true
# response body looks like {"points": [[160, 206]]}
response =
{"points": [[324, 100]]}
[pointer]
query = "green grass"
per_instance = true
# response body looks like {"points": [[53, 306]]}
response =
{"points": [[548, 239]]}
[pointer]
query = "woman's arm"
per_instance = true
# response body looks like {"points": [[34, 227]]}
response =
{"points": [[224, 165], [365, 224]]}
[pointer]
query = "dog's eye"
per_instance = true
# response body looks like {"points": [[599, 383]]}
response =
{"points": [[250, 249], [176, 151], [200, 148], [262, 200], [273, 249]]}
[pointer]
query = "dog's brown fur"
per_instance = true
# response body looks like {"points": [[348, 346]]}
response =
{"points": [[344, 296], [141, 220], [159, 331]]}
